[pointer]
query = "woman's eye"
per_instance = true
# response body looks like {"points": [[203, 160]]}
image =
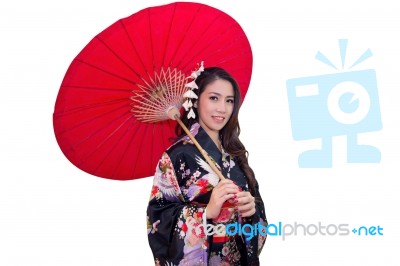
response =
{"points": [[213, 98], [229, 100]]}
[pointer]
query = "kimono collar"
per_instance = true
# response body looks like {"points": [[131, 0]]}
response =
{"points": [[205, 141]]}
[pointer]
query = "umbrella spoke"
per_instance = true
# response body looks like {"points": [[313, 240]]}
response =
{"points": [[108, 136], [167, 43], [96, 88], [150, 104], [205, 28], [119, 58], [139, 147], [91, 106], [106, 72], [151, 40], [213, 49], [141, 63], [124, 164], [119, 144], [179, 43], [92, 119]]}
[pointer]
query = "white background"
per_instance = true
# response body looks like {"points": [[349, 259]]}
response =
{"points": [[51, 213]]}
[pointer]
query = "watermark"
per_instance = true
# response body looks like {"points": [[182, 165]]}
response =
{"points": [[343, 103], [298, 229], [285, 230]]}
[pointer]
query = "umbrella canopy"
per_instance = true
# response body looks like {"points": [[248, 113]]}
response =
{"points": [[94, 116]]}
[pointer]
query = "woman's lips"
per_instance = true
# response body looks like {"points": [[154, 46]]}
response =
{"points": [[218, 119]]}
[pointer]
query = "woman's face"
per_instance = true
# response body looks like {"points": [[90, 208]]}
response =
{"points": [[215, 106]]}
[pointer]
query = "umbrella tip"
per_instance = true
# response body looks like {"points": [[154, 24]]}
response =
{"points": [[173, 112]]}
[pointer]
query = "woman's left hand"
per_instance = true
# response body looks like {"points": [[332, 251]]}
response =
{"points": [[245, 204]]}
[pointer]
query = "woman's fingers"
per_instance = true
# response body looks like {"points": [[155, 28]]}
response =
{"points": [[246, 207], [248, 213], [226, 187], [245, 204], [244, 197], [247, 210], [225, 190]]}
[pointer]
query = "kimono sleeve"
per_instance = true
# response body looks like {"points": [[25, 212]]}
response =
{"points": [[259, 223], [174, 224], [260, 218]]}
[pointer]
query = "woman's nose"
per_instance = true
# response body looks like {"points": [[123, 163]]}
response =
{"points": [[221, 107]]}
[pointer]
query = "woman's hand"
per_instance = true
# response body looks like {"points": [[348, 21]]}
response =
{"points": [[245, 204], [222, 192]]}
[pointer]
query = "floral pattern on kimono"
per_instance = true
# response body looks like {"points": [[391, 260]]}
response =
{"points": [[181, 189]]}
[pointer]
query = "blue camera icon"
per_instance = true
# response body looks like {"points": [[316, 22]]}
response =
{"points": [[330, 105]]}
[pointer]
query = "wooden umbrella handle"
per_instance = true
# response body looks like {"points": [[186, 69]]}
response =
{"points": [[202, 151]]}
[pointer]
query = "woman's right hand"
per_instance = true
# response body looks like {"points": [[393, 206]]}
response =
{"points": [[224, 191]]}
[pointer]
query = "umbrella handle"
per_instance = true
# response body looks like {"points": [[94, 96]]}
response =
{"points": [[202, 151], [175, 116]]}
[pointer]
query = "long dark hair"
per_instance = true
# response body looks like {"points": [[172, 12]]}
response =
{"points": [[230, 132]]}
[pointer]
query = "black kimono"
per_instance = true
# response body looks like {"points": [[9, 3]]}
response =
{"points": [[182, 187]]}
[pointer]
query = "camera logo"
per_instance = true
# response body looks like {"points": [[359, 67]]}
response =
{"points": [[325, 106]]}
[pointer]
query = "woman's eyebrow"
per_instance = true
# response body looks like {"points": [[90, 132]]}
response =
{"points": [[219, 94]]}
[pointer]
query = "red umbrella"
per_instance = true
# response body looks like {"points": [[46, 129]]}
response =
{"points": [[94, 122]]}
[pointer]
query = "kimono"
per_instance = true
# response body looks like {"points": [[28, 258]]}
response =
{"points": [[182, 187]]}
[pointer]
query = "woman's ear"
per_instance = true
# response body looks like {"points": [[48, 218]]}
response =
{"points": [[195, 104]]}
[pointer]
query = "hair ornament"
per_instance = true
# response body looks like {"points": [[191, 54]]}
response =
{"points": [[189, 94]]}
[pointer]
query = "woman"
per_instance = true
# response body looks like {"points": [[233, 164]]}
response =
{"points": [[189, 207]]}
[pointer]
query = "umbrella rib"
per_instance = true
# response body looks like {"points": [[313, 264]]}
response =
{"points": [[94, 118], [231, 44], [239, 68], [117, 56], [151, 41], [93, 88], [139, 149], [147, 105], [224, 60], [228, 59], [105, 71], [183, 36], [88, 106], [116, 144], [156, 101], [127, 146], [132, 44], [188, 52], [209, 44], [168, 35], [84, 158]]}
